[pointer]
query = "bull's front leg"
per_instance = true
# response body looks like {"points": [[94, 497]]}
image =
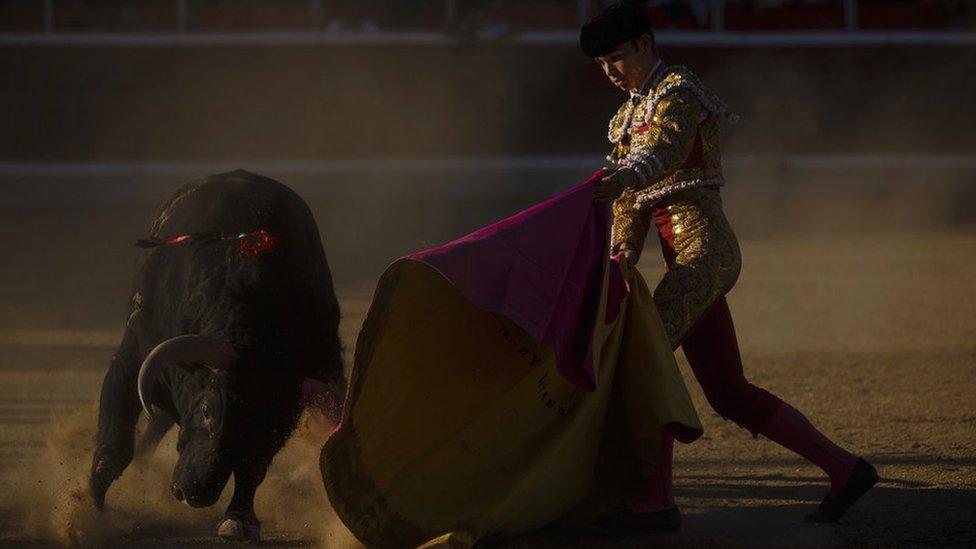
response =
{"points": [[240, 523], [117, 414]]}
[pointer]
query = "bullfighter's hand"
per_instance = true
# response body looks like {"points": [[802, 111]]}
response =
{"points": [[627, 255], [612, 185]]}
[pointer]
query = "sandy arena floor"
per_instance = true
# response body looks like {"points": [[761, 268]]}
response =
{"points": [[874, 337]]}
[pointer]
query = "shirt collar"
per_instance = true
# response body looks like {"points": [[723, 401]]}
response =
{"points": [[646, 84]]}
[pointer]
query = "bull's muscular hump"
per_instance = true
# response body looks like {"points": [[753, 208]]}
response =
{"points": [[232, 306]]}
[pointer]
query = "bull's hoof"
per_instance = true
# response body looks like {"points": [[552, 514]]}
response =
{"points": [[237, 529]]}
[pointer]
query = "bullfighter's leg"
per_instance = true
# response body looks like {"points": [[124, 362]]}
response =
{"points": [[714, 357], [713, 354], [657, 494], [240, 523], [117, 414], [703, 260]]}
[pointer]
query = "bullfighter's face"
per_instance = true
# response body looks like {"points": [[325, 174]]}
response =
{"points": [[627, 66]]}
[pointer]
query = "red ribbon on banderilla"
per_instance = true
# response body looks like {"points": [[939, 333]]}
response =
{"points": [[252, 243]]}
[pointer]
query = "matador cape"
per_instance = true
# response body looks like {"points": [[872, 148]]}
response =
{"points": [[509, 379]]}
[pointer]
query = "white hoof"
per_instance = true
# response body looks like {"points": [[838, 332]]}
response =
{"points": [[237, 530]]}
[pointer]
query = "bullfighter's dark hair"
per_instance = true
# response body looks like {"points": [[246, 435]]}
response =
{"points": [[618, 23]]}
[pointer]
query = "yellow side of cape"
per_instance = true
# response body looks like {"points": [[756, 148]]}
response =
{"points": [[457, 426]]}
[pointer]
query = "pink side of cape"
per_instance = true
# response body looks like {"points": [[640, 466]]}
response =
{"points": [[543, 269]]}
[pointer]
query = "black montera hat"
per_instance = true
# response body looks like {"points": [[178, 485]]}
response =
{"points": [[620, 22]]}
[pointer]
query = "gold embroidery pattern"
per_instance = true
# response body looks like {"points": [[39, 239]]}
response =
{"points": [[630, 223], [707, 263], [709, 173], [660, 130], [666, 142], [678, 77], [678, 106], [619, 124]]}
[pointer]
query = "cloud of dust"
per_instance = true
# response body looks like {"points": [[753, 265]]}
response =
{"points": [[48, 497]]}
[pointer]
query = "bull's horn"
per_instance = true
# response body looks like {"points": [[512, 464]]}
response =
{"points": [[211, 352]]}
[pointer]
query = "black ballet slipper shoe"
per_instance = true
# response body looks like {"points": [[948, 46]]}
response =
{"points": [[625, 521], [863, 477]]}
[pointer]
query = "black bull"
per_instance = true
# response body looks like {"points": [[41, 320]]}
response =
{"points": [[232, 307]]}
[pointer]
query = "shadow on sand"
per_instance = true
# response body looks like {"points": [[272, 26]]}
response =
{"points": [[718, 512], [742, 515]]}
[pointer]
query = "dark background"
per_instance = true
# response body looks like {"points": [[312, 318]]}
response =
{"points": [[362, 101], [412, 128]]}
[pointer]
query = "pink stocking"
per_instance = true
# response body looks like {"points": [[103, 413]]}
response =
{"points": [[656, 494], [791, 430]]}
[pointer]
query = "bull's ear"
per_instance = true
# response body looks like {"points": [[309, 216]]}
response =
{"points": [[214, 353]]}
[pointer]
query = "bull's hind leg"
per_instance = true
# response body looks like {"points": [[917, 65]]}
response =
{"points": [[117, 414], [240, 523]]}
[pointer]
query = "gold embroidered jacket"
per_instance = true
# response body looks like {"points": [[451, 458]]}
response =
{"points": [[669, 135]]}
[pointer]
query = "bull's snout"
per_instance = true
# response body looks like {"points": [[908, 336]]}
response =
{"points": [[177, 492]]}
